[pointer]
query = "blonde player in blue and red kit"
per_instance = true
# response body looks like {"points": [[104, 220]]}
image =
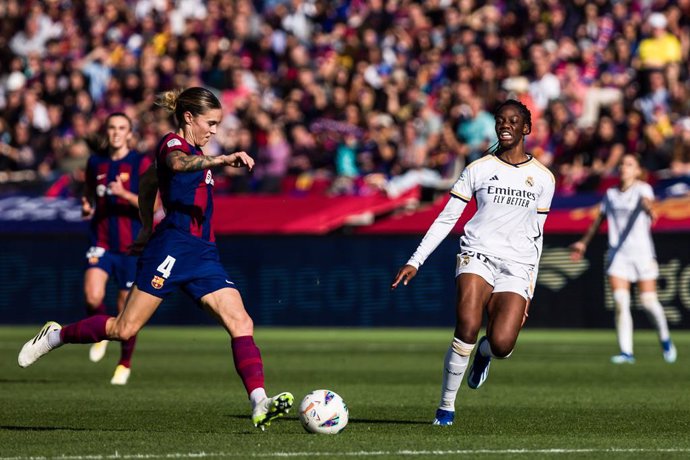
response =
{"points": [[181, 253], [110, 201]]}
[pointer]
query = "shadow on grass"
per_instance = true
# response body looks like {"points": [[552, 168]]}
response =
{"points": [[43, 428], [352, 420]]}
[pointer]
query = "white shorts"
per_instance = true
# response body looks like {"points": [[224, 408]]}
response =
{"points": [[633, 269], [503, 275]]}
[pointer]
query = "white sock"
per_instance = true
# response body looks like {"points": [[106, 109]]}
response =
{"points": [[656, 314], [54, 339], [256, 396], [454, 366], [624, 323]]}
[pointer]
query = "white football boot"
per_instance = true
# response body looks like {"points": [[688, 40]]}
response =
{"points": [[97, 351], [38, 346]]}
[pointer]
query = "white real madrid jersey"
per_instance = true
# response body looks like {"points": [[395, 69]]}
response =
{"points": [[509, 198], [629, 225]]}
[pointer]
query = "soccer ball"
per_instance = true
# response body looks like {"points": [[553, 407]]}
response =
{"points": [[324, 412]]}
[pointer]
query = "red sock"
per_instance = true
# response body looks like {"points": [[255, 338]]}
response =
{"points": [[248, 362], [88, 330], [126, 351], [99, 310]]}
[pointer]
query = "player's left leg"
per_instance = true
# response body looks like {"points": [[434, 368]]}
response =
{"points": [[95, 280], [226, 306], [655, 312], [138, 310], [624, 322], [473, 292], [123, 369], [125, 274], [506, 316]]}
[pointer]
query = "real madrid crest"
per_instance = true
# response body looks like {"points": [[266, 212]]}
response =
{"points": [[529, 181]]}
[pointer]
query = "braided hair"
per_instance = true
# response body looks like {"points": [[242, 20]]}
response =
{"points": [[524, 112]]}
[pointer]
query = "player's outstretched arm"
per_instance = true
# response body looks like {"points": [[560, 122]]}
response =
{"points": [[440, 229], [578, 249], [179, 161]]}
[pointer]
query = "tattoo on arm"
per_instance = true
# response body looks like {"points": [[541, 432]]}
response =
{"points": [[181, 162]]}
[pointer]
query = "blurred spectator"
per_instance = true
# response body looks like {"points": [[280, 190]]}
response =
{"points": [[608, 147], [272, 161], [680, 162], [365, 91], [660, 47], [476, 129]]}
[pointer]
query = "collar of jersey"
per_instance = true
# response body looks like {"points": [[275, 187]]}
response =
{"points": [[517, 165]]}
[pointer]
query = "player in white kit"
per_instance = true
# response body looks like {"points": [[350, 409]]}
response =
{"points": [[631, 256], [499, 251]]}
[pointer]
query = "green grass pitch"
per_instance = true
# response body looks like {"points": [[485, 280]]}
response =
{"points": [[556, 397]]}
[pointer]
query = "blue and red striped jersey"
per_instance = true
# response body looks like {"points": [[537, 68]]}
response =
{"points": [[115, 223], [187, 196]]}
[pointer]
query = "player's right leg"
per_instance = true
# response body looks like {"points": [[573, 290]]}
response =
{"points": [[473, 293], [226, 306], [624, 322], [139, 308], [95, 280]]}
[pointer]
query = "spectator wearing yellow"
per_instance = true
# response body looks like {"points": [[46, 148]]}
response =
{"points": [[661, 47]]}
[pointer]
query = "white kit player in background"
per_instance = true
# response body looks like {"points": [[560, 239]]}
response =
{"points": [[631, 257], [499, 251]]}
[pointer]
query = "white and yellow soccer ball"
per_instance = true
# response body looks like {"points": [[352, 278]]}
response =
{"points": [[323, 412]]}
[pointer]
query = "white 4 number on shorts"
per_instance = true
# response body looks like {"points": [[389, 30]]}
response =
{"points": [[166, 267]]}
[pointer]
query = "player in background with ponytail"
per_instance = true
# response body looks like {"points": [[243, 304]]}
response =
{"points": [[499, 251], [631, 257]]}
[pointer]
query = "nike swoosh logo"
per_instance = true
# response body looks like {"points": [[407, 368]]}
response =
{"points": [[129, 284], [229, 282], [100, 176]]}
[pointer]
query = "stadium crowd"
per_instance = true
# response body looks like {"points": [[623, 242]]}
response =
{"points": [[348, 96]]}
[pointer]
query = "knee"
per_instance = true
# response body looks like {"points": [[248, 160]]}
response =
{"points": [[501, 348], [649, 300], [93, 297], [621, 298], [467, 330], [123, 331], [239, 323]]}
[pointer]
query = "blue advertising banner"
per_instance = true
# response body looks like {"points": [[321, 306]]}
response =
{"points": [[338, 281]]}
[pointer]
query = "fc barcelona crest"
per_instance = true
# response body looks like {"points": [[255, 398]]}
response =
{"points": [[157, 282]]}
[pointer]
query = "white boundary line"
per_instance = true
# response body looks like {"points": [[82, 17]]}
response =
{"points": [[376, 453]]}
